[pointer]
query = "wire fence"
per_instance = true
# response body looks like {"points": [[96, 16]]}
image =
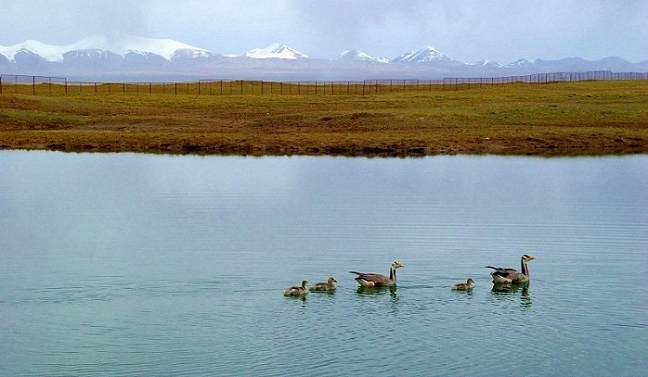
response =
{"points": [[47, 85]]}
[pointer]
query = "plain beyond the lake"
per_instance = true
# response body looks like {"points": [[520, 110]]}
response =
{"points": [[554, 119]]}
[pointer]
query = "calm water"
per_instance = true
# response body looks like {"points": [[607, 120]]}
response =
{"points": [[124, 264]]}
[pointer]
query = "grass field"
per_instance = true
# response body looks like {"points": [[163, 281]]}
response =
{"points": [[580, 118]]}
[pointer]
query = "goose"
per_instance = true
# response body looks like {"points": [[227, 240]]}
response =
{"points": [[464, 286], [510, 275], [378, 280], [297, 291], [327, 286]]}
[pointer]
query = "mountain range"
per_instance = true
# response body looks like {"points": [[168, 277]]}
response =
{"points": [[135, 58]]}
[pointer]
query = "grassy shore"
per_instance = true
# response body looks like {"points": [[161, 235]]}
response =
{"points": [[581, 118]]}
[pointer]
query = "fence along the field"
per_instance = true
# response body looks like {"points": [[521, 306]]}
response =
{"points": [[26, 84], [43, 85]]}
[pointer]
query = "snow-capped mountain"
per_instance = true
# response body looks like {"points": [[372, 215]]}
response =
{"points": [[488, 63], [275, 51], [520, 63], [355, 55], [425, 55], [124, 57], [119, 45]]}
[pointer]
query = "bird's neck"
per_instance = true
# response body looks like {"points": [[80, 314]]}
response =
{"points": [[392, 274], [525, 269]]}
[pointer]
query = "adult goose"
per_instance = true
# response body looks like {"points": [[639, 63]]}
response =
{"points": [[464, 286], [297, 291], [378, 280], [510, 275], [326, 286]]}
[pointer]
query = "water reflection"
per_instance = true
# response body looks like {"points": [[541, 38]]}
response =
{"points": [[467, 292], [325, 293], [510, 289], [369, 291]]}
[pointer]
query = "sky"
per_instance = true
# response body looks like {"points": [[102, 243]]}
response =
{"points": [[467, 30]]}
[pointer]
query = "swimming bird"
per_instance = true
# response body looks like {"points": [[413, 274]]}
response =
{"points": [[297, 291], [510, 275], [327, 286], [378, 280], [464, 286]]}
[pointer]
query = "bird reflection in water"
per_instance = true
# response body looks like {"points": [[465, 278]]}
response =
{"points": [[510, 289], [377, 290]]}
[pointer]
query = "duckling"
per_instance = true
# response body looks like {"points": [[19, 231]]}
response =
{"points": [[510, 275], [327, 286], [296, 291], [464, 286], [378, 280]]}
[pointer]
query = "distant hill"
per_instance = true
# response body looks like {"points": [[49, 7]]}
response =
{"points": [[134, 58]]}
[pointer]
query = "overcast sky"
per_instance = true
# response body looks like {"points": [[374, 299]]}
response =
{"points": [[468, 30]]}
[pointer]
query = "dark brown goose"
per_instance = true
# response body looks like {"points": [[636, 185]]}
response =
{"points": [[510, 275], [377, 280]]}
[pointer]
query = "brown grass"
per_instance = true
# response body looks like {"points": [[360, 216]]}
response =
{"points": [[585, 118]]}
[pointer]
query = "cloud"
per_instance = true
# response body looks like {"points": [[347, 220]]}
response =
{"points": [[468, 30], [337, 25], [472, 30], [224, 26], [67, 21]]}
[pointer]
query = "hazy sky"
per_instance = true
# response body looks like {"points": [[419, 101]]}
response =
{"points": [[468, 30]]}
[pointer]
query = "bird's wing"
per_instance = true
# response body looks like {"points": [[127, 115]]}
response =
{"points": [[374, 277], [501, 268]]}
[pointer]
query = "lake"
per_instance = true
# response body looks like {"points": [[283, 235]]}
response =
{"points": [[134, 264]]}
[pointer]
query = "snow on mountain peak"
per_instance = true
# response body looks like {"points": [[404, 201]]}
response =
{"points": [[275, 50], [123, 44], [118, 44], [424, 55], [354, 55], [488, 63], [47, 52]]}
